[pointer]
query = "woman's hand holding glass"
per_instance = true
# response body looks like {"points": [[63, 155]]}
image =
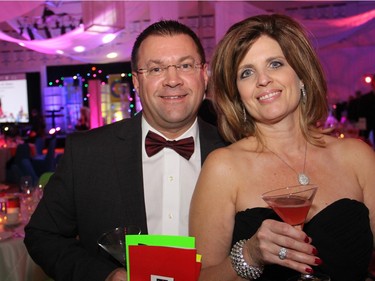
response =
{"points": [[264, 247], [292, 204]]}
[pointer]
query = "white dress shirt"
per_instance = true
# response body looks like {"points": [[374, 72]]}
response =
{"points": [[169, 181]]}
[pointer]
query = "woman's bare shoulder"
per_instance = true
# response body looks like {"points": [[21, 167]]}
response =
{"points": [[348, 145], [354, 152], [232, 151]]}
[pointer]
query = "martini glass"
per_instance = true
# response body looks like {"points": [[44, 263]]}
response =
{"points": [[292, 204], [113, 241]]}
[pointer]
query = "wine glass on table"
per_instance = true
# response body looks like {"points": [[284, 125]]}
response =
{"points": [[26, 185], [292, 204], [28, 202]]}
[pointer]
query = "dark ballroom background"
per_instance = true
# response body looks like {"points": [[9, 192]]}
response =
{"points": [[39, 38]]}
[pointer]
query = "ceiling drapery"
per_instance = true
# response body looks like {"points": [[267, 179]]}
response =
{"points": [[95, 49], [13, 9], [329, 32], [325, 33], [345, 45]]}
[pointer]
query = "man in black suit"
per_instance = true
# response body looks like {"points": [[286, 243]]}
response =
{"points": [[108, 178]]}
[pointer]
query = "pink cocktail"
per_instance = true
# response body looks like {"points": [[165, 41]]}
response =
{"points": [[293, 210], [291, 203]]}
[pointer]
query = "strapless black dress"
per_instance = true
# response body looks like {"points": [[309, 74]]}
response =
{"points": [[341, 233]]}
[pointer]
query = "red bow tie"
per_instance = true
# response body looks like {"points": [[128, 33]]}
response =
{"points": [[155, 143]]}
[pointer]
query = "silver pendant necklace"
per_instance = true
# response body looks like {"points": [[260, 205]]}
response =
{"points": [[301, 177]]}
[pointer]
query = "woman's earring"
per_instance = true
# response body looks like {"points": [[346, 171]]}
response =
{"points": [[304, 95], [244, 114]]}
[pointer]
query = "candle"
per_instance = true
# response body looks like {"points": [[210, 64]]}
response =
{"points": [[12, 209]]}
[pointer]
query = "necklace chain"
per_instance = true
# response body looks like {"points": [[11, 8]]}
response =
{"points": [[301, 177]]}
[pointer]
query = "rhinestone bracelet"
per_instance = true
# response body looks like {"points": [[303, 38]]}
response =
{"points": [[242, 268]]}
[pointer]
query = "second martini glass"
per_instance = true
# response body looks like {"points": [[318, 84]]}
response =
{"points": [[113, 241], [292, 204]]}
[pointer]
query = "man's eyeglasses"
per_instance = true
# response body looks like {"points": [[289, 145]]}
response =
{"points": [[159, 70]]}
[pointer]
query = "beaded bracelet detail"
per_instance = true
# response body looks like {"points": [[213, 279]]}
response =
{"points": [[242, 268]]}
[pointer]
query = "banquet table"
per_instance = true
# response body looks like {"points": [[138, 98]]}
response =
{"points": [[15, 262]]}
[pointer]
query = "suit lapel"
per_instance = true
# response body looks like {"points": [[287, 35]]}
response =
{"points": [[209, 138], [128, 162]]}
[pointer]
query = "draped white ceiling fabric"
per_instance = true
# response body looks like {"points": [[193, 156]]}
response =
{"points": [[346, 48], [12, 9], [340, 32], [95, 49], [345, 45]]}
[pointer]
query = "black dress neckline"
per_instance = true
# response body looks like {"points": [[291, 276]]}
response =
{"points": [[341, 233]]}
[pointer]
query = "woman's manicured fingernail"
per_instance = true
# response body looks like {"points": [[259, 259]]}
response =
{"points": [[318, 261], [309, 270], [314, 251], [307, 240]]}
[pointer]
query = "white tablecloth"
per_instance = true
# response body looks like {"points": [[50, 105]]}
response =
{"points": [[16, 264]]}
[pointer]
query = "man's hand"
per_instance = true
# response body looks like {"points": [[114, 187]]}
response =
{"points": [[118, 274]]}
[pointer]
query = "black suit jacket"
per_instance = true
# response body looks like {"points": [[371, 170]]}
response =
{"points": [[98, 185]]}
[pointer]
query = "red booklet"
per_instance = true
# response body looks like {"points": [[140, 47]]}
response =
{"points": [[160, 263], [162, 258]]}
